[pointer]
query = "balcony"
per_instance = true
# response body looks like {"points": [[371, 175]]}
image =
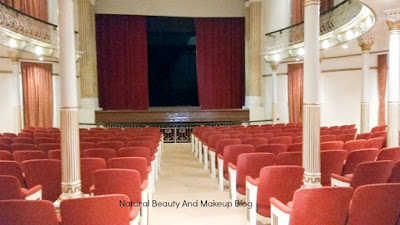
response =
{"points": [[344, 22]]}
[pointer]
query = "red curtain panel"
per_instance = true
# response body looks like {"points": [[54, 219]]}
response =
{"points": [[220, 62], [295, 87], [382, 74], [122, 62], [38, 94], [35, 8]]}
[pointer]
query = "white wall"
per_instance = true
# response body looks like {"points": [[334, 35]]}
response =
{"points": [[176, 8], [8, 95]]}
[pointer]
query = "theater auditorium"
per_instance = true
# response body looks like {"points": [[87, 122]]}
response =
{"points": [[220, 112]]}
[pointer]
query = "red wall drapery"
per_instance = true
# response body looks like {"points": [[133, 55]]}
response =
{"points": [[295, 88], [35, 8], [122, 62], [38, 94], [382, 74], [220, 62]]}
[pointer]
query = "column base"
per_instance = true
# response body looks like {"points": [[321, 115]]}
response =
{"points": [[393, 125], [256, 111], [311, 145], [71, 190], [364, 117], [87, 106]]}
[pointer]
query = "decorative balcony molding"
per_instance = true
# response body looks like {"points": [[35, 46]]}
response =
{"points": [[346, 21], [24, 32]]}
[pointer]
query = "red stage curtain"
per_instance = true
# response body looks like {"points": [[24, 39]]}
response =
{"points": [[35, 8], [295, 87], [220, 62], [122, 62], [298, 9], [382, 73], [38, 94]]}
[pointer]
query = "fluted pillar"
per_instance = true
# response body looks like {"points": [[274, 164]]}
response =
{"points": [[70, 177], [311, 99], [17, 114], [274, 67], [365, 44], [89, 101], [393, 22], [253, 58]]}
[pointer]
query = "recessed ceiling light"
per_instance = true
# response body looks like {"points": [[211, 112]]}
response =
{"points": [[41, 58], [326, 44], [345, 46], [12, 43]]}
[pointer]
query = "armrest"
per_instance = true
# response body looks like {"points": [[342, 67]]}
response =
{"points": [[220, 156], [340, 178], [31, 191], [211, 150], [230, 165], [92, 189], [252, 181], [144, 184], [148, 169], [279, 205]]}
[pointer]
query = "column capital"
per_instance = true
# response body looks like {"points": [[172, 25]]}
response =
{"points": [[366, 43], [393, 19], [248, 2], [274, 65], [14, 55]]}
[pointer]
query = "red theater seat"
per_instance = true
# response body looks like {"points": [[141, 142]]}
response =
{"points": [[331, 162], [295, 147], [328, 137], [390, 153], [6, 155], [272, 148], [54, 154], [10, 188], [46, 147], [354, 145], [255, 141], [104, 153], [331, 145], [281, 140], [358, 156], [289, 158], [88, 167], [12, 168], [21, 156], [22, 146]]}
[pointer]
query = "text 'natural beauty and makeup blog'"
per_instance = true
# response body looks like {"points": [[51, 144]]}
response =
{"points": [[187, 204]]}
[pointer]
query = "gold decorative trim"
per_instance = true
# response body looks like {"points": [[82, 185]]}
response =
{"points": [[366, 43]]}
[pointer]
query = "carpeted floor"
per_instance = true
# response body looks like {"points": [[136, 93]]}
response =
{"points": [[183, 178]]}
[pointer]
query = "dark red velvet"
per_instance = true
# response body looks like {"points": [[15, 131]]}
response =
{"points": [[220, 62], [122, 61]]}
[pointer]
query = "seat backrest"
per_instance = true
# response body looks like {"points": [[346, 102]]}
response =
{"points": [[375, 204], [288, 134], [6, 140], [298, 139], [206, 135], [250, 164], [328, 137], [212, 139], [354, 145], [379, 134], [331, 145], [104, 153], [295, 147], [346, 137], [118, 181], [231, 153], [88, 167], [358, 156], [395, 174], [111, 144], [93, 139], [54, 154], [22, 146], [46, 147], [390, 153], [119, 138], [272, 148], [375, 142], [113, 129], [364, 136], [135, 152], [10, 188], [6, 155], [331, 162], [25, 140], [371, 173], [12, 168], [24, 212], [133, 129], [148, 144], [40, 140], [220, 145], [21, 156], [280, 182], [264, 135], [255, 141], [321, 205], [287, 140], [135, 163], [289, 158], [97, 129], [4, 146], [147, 138], [46, 172], [86, 145]]}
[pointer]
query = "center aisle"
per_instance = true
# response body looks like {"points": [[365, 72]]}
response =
{"points": [[183, 178]]}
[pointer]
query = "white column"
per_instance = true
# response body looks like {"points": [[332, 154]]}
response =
{"points": [[274, 67], [17, 100], [311, 98], [393, 22], [253, 59], [71, 182], [365, 44]]}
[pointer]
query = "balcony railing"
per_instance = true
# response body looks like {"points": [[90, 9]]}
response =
{"points": [[346, 21], [24, 32]]}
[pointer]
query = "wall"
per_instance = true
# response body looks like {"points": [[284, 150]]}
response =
{"points": [[175, 8]]}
